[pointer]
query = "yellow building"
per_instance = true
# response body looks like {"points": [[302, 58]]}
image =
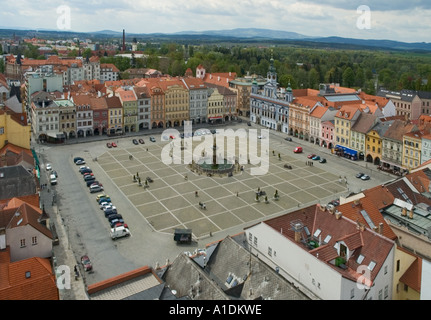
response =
{"points": [[115, 116], [14, 129], [344, 119], [374, 142], [412, 148], [176, 102], [215, 105], [407, 275]]}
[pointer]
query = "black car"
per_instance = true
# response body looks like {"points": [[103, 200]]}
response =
{"points": [[115, 216], [288, 139], [249, 124], [359, 175], [78, 158], [54, 173], [135, 141], [141, 141], [110, 212], [114, 222], [86, 171]]}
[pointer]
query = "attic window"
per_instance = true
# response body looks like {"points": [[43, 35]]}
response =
{"points": [[317, 233], [27, 274], [360, 259], [327, 238], [371, 265]]}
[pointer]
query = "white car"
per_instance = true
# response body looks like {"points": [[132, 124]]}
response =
{"points": [[104, 204], [109, 206], [80, 162], [48, 166], [261, 137]]}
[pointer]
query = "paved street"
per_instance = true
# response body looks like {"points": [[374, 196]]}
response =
{"points": [[169, 202]]}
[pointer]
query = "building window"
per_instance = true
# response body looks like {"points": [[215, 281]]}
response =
{"points": [[22, 243], [255, 241], [352, 293], [270, 251], [398, 265], [33, 240]]}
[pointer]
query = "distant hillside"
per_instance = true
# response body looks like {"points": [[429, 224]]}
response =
{"points": [[236, 36], [247, 33]]}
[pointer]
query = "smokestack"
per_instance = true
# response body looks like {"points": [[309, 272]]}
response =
{"points": [[124, 40], [380, 228]]}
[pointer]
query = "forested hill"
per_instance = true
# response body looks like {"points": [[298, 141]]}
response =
{"points": [[240, 35]]}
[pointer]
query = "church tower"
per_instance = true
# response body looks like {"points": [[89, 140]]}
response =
{"points": [[270, 88]]}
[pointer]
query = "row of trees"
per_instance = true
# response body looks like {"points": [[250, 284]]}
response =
{"points": [[302, 67]]}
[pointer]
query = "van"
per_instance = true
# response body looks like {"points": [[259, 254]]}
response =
{"points": [[96, 188], [53, 179], [119, 232]]}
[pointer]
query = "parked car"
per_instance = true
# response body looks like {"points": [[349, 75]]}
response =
{"points": [[249, 124], [96, 189], [48, 167], [288, 139], [359, 175], [365, 177], [93, 182], [107, 199], [86, 263], [110, 212], [119, 232], [310, 156], [109, 206], [54, 173], [114, 144], [171, 137], [109, 145], [83, 168], [141, 141], [316, 158], [323, 160], [298, 150], [89, 176], [113, 222], [152, 139], [77, 158], [115, 216], [103, 204], [135, 141], [80, 162], [102, 195]]}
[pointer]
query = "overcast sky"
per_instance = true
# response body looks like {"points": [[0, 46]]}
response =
{"points": [[400, 20]]}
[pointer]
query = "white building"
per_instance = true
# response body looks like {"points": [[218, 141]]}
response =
{"points": [[198, 95], [109, 72], [326, 255], [144, 107]]}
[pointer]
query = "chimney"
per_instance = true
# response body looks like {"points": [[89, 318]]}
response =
{"points": [[337, 215], [381, 228], [297, 236], [404, 212], [124, 40], [411, 213]]}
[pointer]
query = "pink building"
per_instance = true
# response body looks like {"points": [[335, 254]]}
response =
{"points": [[327, 140]]}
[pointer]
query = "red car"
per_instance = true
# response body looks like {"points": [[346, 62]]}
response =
{"points": [[114, 144], [298, 150], [86, 263], [310, 156]]}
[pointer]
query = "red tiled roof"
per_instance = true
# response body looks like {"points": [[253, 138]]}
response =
{"points": [[371, 245], [28, 279], [413, 275]]}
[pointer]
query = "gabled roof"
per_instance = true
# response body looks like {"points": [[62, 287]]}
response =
{"points": [[365, 211], [413, 275], [347, 112], [318, 112], [398, 129], [335, 229], [28, 279], [364, 123]]}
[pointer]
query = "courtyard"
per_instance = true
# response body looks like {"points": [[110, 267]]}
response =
{"points": [[170, 201]]}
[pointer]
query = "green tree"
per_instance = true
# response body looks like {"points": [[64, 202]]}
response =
{"points": [[348, 77]]}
